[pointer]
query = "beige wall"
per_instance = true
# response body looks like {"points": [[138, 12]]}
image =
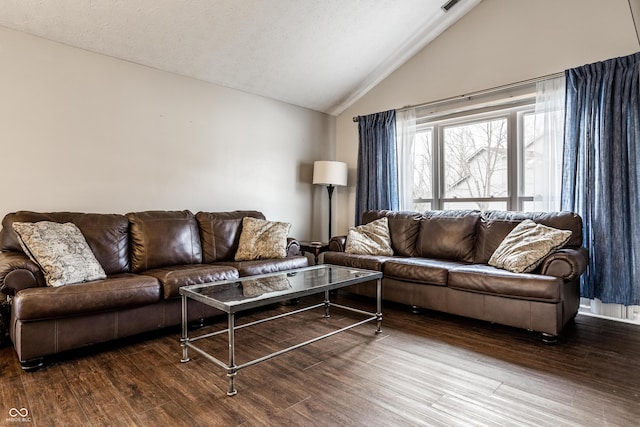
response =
{"points": [[499, 42], [86, 132]]}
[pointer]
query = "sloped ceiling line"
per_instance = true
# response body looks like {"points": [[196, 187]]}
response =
{"points": [[322, 55]]}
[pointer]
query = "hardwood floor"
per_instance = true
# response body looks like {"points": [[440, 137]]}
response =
{"points": [[425, 369]]}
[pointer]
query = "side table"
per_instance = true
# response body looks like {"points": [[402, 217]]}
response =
{"points": [[316, 248]]}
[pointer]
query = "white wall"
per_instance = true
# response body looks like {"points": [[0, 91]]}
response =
{"points": [[499, 42], [86, 132]]}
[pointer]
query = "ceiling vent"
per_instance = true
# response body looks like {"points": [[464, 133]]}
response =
{"points": [[448, 5]]}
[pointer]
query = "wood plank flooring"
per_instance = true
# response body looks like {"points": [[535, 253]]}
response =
{"points": [[427, 369]]}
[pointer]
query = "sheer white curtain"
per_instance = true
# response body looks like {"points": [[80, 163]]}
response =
{"points": [[547, 144], [405, 136]]}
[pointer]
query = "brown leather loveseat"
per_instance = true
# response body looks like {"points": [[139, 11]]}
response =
{"points": [[147, 257], [440, 263]]}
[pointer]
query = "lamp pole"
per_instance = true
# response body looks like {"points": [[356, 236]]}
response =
{"points": [[330, 189]]}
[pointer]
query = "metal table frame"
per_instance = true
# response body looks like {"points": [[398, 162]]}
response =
{"points": [[232, 369]]}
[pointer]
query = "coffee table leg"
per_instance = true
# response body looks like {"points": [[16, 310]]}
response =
{"points": [[326, 304], [185, 331], [379, 305], [232, 371]]}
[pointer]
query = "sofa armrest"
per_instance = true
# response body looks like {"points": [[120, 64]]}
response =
{"points": [[293, 247], [567, 264], [18, 272], [338, 243]]}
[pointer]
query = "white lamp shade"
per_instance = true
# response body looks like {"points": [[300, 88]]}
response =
{"points": [[330, 173]]}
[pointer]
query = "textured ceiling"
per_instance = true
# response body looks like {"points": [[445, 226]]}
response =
{"points": [[318, 54]]}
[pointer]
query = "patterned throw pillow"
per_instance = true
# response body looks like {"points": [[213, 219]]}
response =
{"points": [[60, 250], [257, 287], [261, 239], [370, 239], [527, 245]]}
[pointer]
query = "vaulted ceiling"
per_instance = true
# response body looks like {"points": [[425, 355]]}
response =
{"points": [[318, 54]]}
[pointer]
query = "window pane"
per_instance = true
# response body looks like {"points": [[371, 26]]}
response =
{"points": [[423, 165], [479, 205], [531, 145], [422, 206], [528, 206], [475, 159]]}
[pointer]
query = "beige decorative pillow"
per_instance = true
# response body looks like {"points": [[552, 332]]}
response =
{"points": [[527, 245], [60, 250], [370, 239], [261, 239]]}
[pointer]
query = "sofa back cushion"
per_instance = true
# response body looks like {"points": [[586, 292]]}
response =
{"points": [[106, 234], [163, 238], [404, 228], [220, 233], [494, 226], [448, 235]]}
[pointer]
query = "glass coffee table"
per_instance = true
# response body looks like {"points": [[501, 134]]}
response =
{"points": [[234, 296]]}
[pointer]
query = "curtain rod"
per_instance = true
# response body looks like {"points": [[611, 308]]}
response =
{"points": [[480, 92]]}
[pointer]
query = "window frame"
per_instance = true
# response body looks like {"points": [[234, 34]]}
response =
{"points": [[514, 113]]}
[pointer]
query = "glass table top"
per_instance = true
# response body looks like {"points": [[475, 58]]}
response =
{"points": [[256, 291]]}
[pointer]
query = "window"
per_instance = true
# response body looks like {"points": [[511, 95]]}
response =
{"points": [[479, 159], [475, 162]]}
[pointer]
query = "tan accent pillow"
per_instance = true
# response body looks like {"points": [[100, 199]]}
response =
{"points": [[60, 250], [527, 245], [370, 239], [261, 239], [257, 287]]}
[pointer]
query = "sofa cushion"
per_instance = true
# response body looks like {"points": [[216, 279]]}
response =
{"points": [[173, 277], [220, 233], [448, 235], [106, 234], [404, 228], [420, 270], [526, 246], [261, 239], [60, 250], [367, 262], [113, 293], [370, 239], [264, 266], [490, 280], [494, 226], [163, 238]]}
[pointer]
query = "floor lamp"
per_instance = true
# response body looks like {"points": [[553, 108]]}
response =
{"points": [[331, 174]]}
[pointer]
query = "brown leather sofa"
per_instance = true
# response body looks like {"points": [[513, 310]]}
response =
{"points": [[147, 257], [440, 263]]}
